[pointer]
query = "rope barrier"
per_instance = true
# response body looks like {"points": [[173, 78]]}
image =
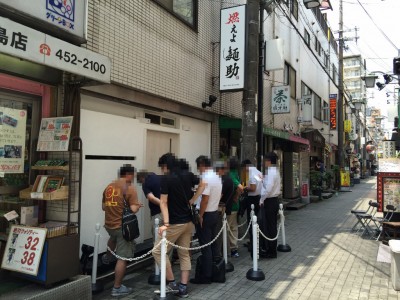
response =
{"points": [[265, 237], [134, 258], [245, 234]]}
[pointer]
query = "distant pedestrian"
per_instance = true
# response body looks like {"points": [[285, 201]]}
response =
{"points": [[113, 204], [271, 189], [174, 198]]}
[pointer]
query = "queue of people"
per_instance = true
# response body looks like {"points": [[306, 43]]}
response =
{"points": [[215, 191]]}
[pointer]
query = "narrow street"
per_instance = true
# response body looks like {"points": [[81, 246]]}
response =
{"points": [[327, 261]]}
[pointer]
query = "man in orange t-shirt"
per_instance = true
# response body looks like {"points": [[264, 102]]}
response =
{"points": [[113, 204]]}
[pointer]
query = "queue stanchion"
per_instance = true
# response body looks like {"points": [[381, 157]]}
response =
{"points": [[163, 269], [155, 277], [96, 286], [228, 265], [283, 247], [255, 273]]}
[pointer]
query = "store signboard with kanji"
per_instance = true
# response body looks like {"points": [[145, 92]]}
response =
{"points": [[280, 101], [232, 48], [24, 249], [389, 149], [307, 110], [54, 134], [67, 15], [332, 110], [26, 43]]}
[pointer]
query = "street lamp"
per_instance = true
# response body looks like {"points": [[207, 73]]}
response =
{"points": [[378, 120], [358, 103], [369, 80], [312, 3]]}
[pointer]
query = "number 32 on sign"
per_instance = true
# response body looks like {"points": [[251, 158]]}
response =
{"points": [[24, 249]]}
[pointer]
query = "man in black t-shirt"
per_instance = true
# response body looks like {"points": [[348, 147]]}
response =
{"points": [[174, 204]]}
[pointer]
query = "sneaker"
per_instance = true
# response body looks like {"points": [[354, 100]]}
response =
{"points": [[121, 291], [172, 287], [234, 253], [183, 293]]}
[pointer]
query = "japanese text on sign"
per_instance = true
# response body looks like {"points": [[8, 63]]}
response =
{"points": [[280, 99], [24, 42], [332, 110], [24, 249], [232, 52]]}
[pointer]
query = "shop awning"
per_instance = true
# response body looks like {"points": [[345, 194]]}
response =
{"points": [[229, 123], [285, 135]]}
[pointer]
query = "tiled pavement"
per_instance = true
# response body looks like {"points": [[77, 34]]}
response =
{"points": [[327, 260]]}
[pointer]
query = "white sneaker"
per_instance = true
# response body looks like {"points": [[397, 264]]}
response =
{"points": [[121, 291]]}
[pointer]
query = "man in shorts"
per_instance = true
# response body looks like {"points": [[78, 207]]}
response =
{"points": [[113, 204]]}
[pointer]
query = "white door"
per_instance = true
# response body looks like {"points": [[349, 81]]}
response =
{"points": [[157, 144]]}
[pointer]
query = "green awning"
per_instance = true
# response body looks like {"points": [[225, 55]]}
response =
{"points": [[229, 123]]}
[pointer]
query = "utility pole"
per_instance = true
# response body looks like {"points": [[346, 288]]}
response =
{"points": [[340, 125], [249, 137], [260, 102]]}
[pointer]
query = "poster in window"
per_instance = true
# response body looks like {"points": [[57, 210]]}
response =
{"points": [[12, 140], [54, 134]]}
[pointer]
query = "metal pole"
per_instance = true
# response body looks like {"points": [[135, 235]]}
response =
{"points": [[340, 105], [249, 94], [260, 98]]}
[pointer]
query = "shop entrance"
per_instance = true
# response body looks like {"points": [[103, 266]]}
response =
{"points": [[157, 144]]}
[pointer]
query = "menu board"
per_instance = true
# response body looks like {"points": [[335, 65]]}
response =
{"points": [[54, 134], [24, 249], [12, 140]]}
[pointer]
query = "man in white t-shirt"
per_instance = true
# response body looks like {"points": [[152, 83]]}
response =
{"points": [[210, 189], [253, 189]]}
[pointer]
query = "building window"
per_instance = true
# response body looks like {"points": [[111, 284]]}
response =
{"points": [[307, 37], [334, 74], [185, 10], [326, 59], [305, 90], [317, 106], [290, 79], [325, 113], [294, 9]]}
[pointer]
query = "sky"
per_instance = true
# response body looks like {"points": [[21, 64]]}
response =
{"points": [[375, 48]]}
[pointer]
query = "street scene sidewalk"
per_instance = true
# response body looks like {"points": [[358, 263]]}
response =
{"points": [[327, 261]]}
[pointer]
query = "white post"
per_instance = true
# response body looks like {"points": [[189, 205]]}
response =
{"points": [[255, 247], [252, 212], [283, 247], [225, 242], [95, 253], [156, 223], [163, 266]]}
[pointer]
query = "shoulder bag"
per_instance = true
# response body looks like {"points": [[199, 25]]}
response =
{"points": [[130, 225]]}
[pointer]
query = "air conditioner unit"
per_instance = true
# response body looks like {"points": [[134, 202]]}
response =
{"points": [[144, 120]]}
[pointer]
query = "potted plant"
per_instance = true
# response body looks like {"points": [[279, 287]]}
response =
{"points": [[316, 183]]}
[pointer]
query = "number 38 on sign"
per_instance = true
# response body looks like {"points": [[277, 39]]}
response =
{"points": [[24, 249]]}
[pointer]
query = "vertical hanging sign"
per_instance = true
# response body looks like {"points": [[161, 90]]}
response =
{"points": [[332, 110], [232, 48], [280, 102], [307, 110]]}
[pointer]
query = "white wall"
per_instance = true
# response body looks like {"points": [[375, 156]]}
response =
{"points": [[108, 128]]}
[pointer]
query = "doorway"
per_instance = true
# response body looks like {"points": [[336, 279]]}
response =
{"points": [[157, 144]]}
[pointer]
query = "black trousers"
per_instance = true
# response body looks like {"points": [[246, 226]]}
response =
{"points": [[249, 201], [206, 234], [271, 207]]}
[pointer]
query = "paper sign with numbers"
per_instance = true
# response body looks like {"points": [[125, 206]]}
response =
{"points": [[24, 249]]}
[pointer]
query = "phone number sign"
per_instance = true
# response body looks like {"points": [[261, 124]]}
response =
{"points": [[24, 249], [24, 42]]}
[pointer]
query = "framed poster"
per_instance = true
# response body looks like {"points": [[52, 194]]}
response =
{"points": [[24, 249], [388, 190], [12, 140], [54, 134]]}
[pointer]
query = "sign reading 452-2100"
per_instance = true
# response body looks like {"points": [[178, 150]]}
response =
{"points": [[77, 60]]}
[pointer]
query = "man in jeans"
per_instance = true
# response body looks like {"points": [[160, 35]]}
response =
{"points": [[210, 189], [113, 204], [175, 193]]}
